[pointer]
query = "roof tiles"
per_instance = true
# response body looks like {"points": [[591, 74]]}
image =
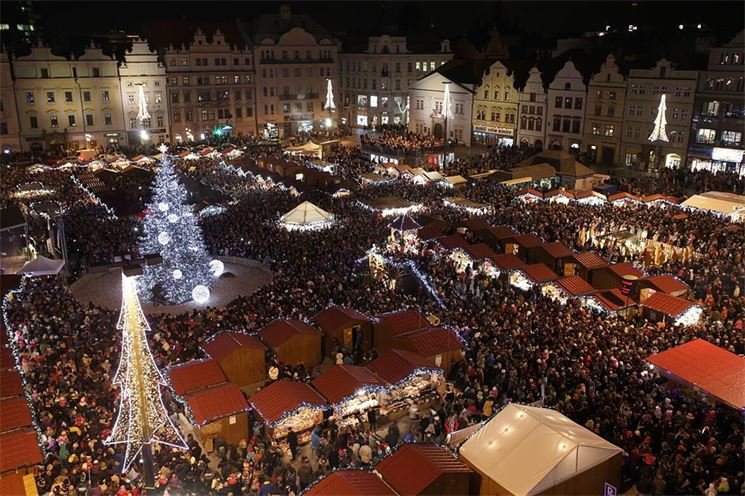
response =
{"points": [[216, 402]]}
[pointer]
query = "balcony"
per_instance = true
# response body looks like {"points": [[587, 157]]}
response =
{"points": [[302, 96]]}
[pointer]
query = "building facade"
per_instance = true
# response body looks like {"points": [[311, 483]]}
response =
{"points": [[716, 141], [532, 100], [9, 125], [142, 67], [495, 107], [427, 114], [644, 99], [68, 104], [606, 94], [566, 109], [211, 88], [374, 81], [295, 59]]}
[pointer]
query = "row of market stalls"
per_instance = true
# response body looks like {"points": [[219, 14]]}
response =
{"points": [[418, 175]]}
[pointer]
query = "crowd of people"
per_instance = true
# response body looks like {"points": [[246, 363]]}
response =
{"points": [[400, 141], [591, 367]]}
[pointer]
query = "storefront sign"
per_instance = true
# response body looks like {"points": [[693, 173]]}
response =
{"points": [[609, 490], [727, 154], [504, 131]]}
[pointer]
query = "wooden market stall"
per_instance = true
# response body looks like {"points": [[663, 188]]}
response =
{"points": [[293, 341], [532, 275], [285, 405], [411, 378], [522, 244], [527, 450], [194, 375], [567, 288], [497, 236], [19, 446], [612, 276], [668, 284], [240, 356], [390, 325], [553, 255], [350, 482], [662, 307], [349, 390], [441, 346], [346, 328], [505, 263], [436, 471], [587, 263], [219, 412]]}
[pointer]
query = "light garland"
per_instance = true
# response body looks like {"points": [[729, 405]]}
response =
{"points": [[470, 210], [142, 417], [389, 212], [689, 317], [93, 198], [212, 210]]}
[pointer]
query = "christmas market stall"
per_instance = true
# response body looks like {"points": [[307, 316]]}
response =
{"points": [[306, 217], [466, 205], [440, 345], [567, 288], [194, 375], [496, 237], [19, 445], [611, 301], [522, 244], [552, 255], [587, 262], [390, 325], [219, 412], [612, 276], [403, 236], [506, 263], [389, 206], [285, 405], [350, 390], [437, 471], [350, 482], [16, 484], [665, 283], [661, 307], [411, 378], [293, 341], [529, 276], [345, 328], [527, 450], [240, 356]]}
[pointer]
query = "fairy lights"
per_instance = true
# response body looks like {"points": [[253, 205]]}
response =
{"points": [[142, 417]]}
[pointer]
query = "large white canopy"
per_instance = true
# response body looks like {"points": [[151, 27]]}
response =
{"points": [[528, 450], [306, 215], [719, 202], [43, 266]]}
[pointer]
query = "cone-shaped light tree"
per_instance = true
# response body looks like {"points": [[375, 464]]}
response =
{"points": [[171, 229], [659, 132]]}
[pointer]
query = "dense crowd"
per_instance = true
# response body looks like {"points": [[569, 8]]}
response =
{"points": [[400, 141], [591, 367]]}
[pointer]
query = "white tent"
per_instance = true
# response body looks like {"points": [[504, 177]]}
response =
{"points": [[306, 216], [235, 153], [308, 148], [526, 450], [43, 266], [719, 202]]}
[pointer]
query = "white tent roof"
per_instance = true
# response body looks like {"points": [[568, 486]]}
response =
{"points": [[456, 179], [433, 175], [528, 450], [715, 201], [309, 147], [305, 214], [43, 266]]}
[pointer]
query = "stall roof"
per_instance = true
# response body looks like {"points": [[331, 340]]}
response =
{"points": [[590, 260], [666, 283], [281, 397], [575, 285], [502, 232], [528, 240], [10, 383], [430, 231], [507, 261], [432, 341], [557, 250], [19, 448], [669, 305], [395, 365], [350, 482], [626, 269], [528, 450], [454, 180], [280, 331], [17, 484], [404, 223], [430, 462], [404, 321], [14, 414], [197, 374], [700, 364], [623, 196], [216, 402], [659, 197], [389, 202], [475, 223], [43, 266], [479, 251], [335, 318], [223, 344], [529, 192], [340, 381], [453, 241], [306, 214], [613, 300], [539, 273]]}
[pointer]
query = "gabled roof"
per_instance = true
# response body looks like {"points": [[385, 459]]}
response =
{"points": [[625, 269], [335, 318], [433, 341], [404, 223], [216, 402], [528, 450], [10, 382], [622, 196], [282, 397], [396, 365], [14, 414], [340, 381], [528, 240], [223, 344], [613, 300], [575, 285], [501, 232], [404, 321], [194, 375], [280, 331], [507, 261], [539, 273], [19, 448], [474, 223], [428, 461], [479, 251], [669, 305], [557, 250], [712, 369], [453, 241], [590, 260], [350, 482], [430, 231], [666, 283], [306, 214]]}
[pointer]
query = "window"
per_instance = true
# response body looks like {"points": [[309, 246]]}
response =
{"points": [[611, 110], [595, 129], [420, 104], [176, 116], [558, 102], [159, 120], [107, 118], [172, 61], [532, 97], [158, 97], [566, 125], [239, 113], [33, 122], [188, 116], [309, 106], [568, 102], [68, 96], [373, 101], [598, 109], [174, 97], [557, 123], [418, 66], [611, 95], [576, 124], [204, 115], [732, 137], [50, 96], [578, 103], [131, 98], [86, 96], [286, 108], [184, 61], [609, 130], [706, 135], [88, 119], [523, 122], [105, 95], [44, 73], [185, 80], [96, 72], [676, 113], [53, 120], [29, 97]]}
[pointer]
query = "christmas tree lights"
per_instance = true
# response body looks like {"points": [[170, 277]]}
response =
{"points": [[142, 417], [171, 229], [329, 96], [659, 132]]}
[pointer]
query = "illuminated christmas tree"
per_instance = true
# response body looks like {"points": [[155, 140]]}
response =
{"points": [[329, 105], [171, 229], [142, 417], [659, 132]]}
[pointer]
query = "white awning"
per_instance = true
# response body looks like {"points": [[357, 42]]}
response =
{"points": [[43, 266]]}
